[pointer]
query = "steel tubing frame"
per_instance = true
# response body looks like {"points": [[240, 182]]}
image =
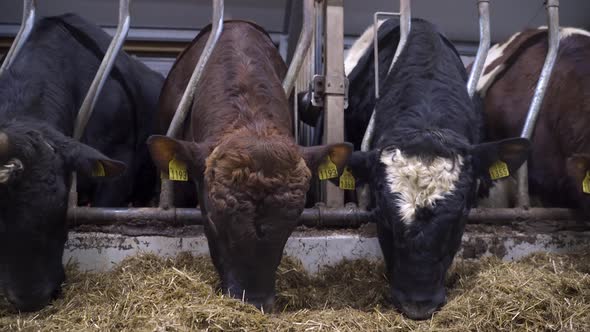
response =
{"points": [[320, 216], [483, 7], [96, 86], [303, 45], [552, 6], [405, 27], [28, 21], [166, 191]]}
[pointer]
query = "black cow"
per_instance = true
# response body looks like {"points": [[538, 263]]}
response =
{"points": [[425, 159], [40, 96]]}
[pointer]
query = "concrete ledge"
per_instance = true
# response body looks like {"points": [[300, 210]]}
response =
{"points": [[315, 249]]}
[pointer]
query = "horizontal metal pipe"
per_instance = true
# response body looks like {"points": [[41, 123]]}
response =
{"points": [[28, 21], [318, 217]]}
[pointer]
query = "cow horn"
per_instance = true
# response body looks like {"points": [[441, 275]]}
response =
{"points": [[3, 144]]}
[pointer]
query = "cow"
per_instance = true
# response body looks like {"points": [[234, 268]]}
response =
{"points": [[560, 159], [40, 95], [239, 150], [425, 159]]}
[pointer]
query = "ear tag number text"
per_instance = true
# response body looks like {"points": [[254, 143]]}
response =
{"points": [[347, 181], [499, 170], [177, 170], [328, 170]]}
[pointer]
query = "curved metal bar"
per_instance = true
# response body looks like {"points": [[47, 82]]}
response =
{"points": [[189, 93], [28, 21], [535, 107], [96, 86], [303, 44], [104, 70], [182, 110], [405, 27], [484, 46]]}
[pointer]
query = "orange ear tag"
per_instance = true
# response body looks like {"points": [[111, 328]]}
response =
{"points": [[499, 170], [327, 170], [98, 170], [177, 170]]}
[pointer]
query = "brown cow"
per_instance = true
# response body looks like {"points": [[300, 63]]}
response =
{"points": [[560, 158], [239, 149]]}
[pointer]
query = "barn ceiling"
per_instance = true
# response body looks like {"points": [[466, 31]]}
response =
{"points": [[457, 18]]}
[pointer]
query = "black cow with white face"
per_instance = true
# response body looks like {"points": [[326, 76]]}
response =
{"points": [[40, 96], [425, 159]]}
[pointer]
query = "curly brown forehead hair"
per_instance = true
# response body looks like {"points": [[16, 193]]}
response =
{"points": [[252, 170]]}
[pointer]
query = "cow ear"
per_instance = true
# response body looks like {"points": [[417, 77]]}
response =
{"points": [[495, 160], [164, 149], [578, 168], [90, 162], [361, 164], [316, 155]]}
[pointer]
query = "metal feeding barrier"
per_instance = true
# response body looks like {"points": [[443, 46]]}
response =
{"points": [[552, 6], [321, 215], [28, 21], [483, 7]]}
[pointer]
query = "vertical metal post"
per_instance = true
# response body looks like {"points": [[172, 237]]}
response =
{"points": [[28, 21], [523, 198], [405, 27], [97, 84], [166, 199], [484, 46], [335, 89]]}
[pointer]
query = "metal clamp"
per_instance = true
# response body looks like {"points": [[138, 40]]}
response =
{"points": [[321, 86], [28, 21]]}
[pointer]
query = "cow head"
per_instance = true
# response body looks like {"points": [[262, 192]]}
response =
{"points": [[252, 188], [35, 163], [421, 202]]}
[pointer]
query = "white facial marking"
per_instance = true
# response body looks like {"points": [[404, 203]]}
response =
{"points": [[419, 184], [495, 52], [359, 48]]}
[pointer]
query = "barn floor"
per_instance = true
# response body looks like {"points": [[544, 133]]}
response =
{"points": [[147, 292]]}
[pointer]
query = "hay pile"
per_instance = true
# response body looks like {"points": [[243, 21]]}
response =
{"points": [[147, 293]]}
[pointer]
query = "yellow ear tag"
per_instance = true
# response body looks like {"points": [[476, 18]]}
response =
{"points": [[98, 170], [327, 170], [586, 183], [499, 170], [177, 170], [347, 180]]}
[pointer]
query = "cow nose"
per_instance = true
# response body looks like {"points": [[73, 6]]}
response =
{"points": [[264, 304], [419, 307], [32, 301]]}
